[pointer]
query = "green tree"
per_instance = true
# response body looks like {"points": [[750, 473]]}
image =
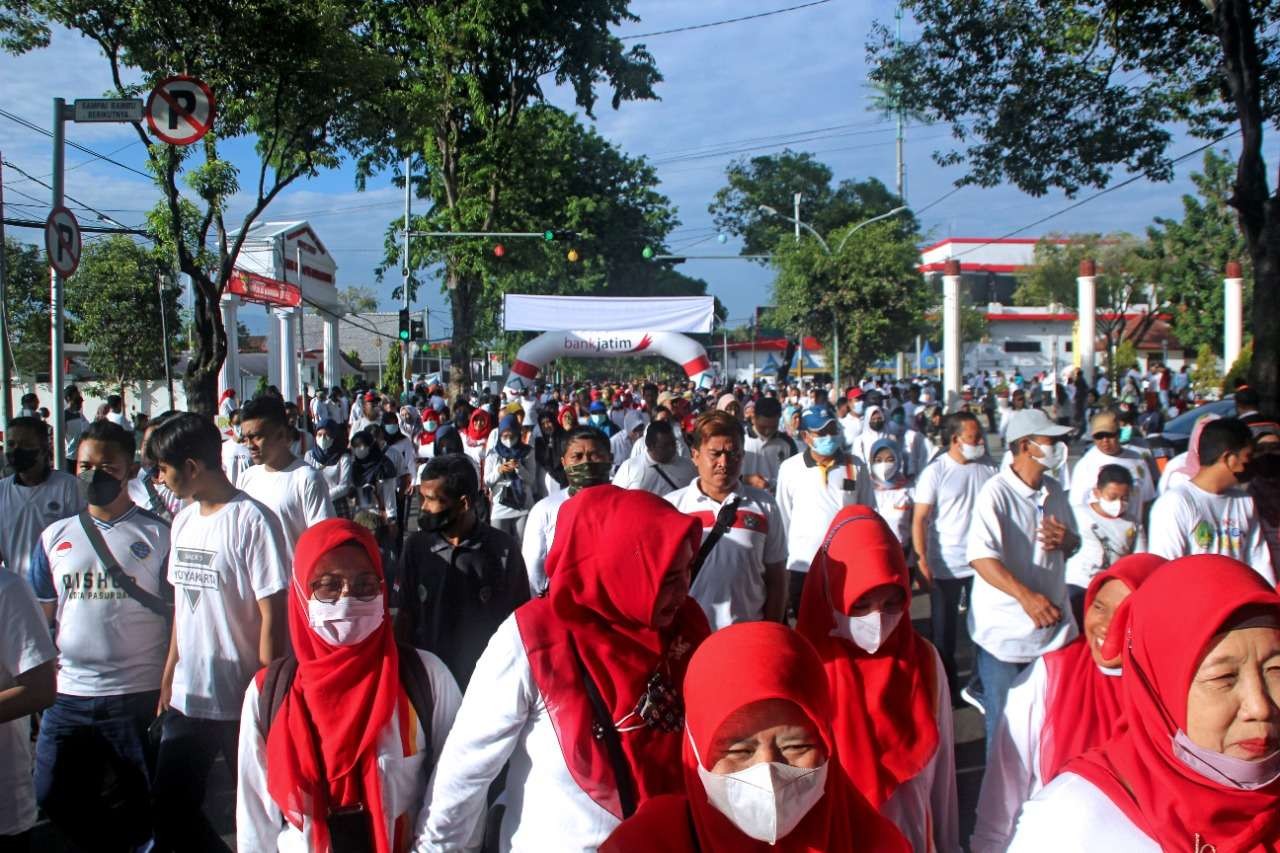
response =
{"points": [[115, 301], [1191, 254], [870, 291], [466, 72], [292, 78], [1047, 95], [27, 307], [1205, 375], [358, 299], [772, 180]]}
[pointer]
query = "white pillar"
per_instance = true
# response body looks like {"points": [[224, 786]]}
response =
{"points": [[952, 347], [229, 375], [273, 350], [902, 365], [288, 353], [1233, 313], [1087, 307], [332, 351]]}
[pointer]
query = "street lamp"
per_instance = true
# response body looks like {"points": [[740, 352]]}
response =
{"points": [[835, 328]]}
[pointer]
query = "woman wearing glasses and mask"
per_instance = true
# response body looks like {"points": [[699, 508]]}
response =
{"points": [[1197, 766], [759, 759], [580, 689], [338, 740]]}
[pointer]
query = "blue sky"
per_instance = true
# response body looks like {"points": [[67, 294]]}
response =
{"points": [[747, 83]]}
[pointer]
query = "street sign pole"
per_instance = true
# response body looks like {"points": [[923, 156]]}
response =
{"points": [[6, 401], [164, 337], [407, 356], [57, 371]]}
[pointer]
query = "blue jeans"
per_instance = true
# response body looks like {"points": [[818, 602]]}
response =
{"points": [[92, 770], [997, 676]]}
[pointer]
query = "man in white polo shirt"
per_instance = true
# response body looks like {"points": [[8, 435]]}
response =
{"points": [[1023, 531], [768, 448], [742, 577], [944, 497], [660, 470], [813, 487]]}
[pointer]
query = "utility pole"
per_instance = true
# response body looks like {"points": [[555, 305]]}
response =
{"points": [[796, 200], [57, 373], [408, 167], [6, 402], [897, 105], [164, 337]]}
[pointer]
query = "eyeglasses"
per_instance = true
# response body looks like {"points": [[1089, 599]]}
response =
{"points": [[328, 588], [1103, 436]]}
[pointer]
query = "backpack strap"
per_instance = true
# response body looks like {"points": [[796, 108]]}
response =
{"points": [[417, 686], [275, 686]]}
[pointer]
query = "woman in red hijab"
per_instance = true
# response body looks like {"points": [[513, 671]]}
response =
{"points": [[1196, 767], [580, 688], [892, 721], [345, 747], [761, 771], [1067, 703]]}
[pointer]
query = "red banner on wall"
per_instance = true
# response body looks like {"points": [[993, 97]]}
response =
{"points": [[252, 287]]}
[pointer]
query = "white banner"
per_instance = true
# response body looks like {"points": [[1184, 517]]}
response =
{"points": [[522, 313]]}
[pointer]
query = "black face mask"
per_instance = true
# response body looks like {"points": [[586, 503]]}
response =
{"points": [[22, 458], [436, 522], [99, 488]]}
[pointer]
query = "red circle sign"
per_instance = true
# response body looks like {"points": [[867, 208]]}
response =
{"points": [[180, 110], [62, 241]]}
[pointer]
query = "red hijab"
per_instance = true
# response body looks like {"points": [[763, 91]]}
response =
{"points": [[737, 666], [572, 411], [322, 745], [1165, 628], [479, 426], [612, 550], [887, 728], [1083, 706]]}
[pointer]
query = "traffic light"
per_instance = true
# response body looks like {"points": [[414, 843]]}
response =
{"points": [[417, 331], [550, 235], [405, 331], [647, 252]]}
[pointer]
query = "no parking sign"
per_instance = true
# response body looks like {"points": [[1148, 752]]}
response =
{"points": [[62, 241], [180, 110]]}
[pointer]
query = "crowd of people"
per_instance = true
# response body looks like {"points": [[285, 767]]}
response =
{"points": [[641, 616]]}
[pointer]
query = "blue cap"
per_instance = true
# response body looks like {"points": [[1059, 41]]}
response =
{"points": [[815, 418], [597, 407]]}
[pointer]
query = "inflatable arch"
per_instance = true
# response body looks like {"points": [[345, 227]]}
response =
{"points": [[534, 355]]}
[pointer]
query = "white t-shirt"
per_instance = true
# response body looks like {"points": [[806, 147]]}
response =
{"points": [[1103, 540], [1006, 524], [641, 472], [25, 511], [120, 419], [297, 495], [894, 506], [108, 643], [235, 459], [24, 645], [1188, 520], [951, 488], [1071, 815], [220, 566], [730, 586], [152, 496], [808, 505], [764, 458], [539, 532], [1084, 477]]}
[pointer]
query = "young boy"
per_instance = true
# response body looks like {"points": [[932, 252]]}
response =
{"points": [[1108, 531]]}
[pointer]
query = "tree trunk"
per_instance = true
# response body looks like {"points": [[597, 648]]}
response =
{"points": [[460, 299], [784, 369], [201, 380]]}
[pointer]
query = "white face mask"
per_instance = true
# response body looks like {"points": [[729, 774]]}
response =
{"points": [[509, 442], [390, 429], [1114, 508], [866, 632], [767, 800], [1052, 455], [361, 452], [882, 471], [972, 452], [324, 442], [345, 622]]}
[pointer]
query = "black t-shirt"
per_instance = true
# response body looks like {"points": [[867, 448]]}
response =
{"points": [[452, 599]]}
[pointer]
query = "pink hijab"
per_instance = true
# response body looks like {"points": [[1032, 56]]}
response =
{"points": [[1189, 465]]}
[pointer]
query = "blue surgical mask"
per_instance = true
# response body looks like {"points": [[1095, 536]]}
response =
{"points": [[826, 445], [1126, 433]]}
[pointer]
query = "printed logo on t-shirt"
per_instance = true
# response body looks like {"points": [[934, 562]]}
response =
{"points": [[91, 586], [63, 546], [140, 549], [1203, 534], [192, 572], [54, 506], [1227, 538]]}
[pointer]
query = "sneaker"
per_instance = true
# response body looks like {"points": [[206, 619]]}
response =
{"points": [[969, 696]]}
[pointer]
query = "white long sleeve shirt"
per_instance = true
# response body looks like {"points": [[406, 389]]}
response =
{"points": [[504, 718], [928, 800], [1071, 815], [807, 504], [539, 532], [260, 827]]}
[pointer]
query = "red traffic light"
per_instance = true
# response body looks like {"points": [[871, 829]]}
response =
{"points": [[499, 250]]}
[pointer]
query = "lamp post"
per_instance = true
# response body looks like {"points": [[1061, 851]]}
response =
{"points": [[835, 328]]}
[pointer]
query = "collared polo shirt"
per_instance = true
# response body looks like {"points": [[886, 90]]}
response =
{"points": [[808, 503]]}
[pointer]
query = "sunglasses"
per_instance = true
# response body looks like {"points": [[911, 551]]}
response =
{"points": [[1102, 436]]}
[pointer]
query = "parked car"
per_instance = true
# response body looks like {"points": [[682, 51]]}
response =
{"points": [[1177, 432]]}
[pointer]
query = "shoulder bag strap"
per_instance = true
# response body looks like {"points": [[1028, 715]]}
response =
{"points": [[663, 475], [275, 686], [416, 682], [154, 603], [604, 730], [724, 520]]}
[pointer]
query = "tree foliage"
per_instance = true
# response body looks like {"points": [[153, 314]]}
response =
{"points": [[772, 180], [358, 299], [115, 301], [27, 307], [871, 292], [466, 73], [1061, 94], [293, 77]]}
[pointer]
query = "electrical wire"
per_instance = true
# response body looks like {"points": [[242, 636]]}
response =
{"points": [[30, 125], [710, 24], [66, 195]]}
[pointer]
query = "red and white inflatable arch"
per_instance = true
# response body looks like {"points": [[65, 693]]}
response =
{"points": [[548, 346]]}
